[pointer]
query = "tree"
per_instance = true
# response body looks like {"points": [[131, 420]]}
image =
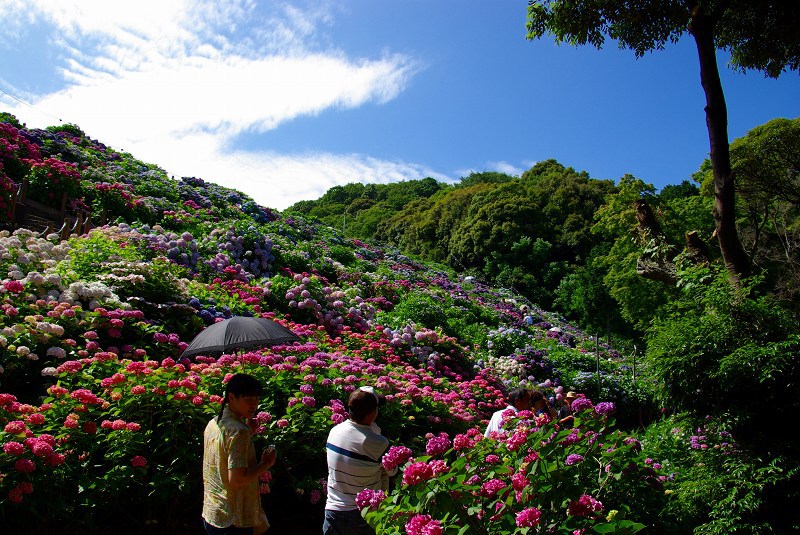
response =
{"points": [[763, 36]]}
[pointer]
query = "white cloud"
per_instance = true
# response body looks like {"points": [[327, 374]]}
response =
{"points": [[172, 82], [500, 167], [505, 167], [279, 180]]}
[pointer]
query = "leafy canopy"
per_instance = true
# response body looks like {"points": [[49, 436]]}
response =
{"points": [[758, 35]]}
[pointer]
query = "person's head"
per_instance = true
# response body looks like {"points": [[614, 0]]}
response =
{"points": [[519, 398], [538, 401], [362, 405], [242, 395], [570, 397]]}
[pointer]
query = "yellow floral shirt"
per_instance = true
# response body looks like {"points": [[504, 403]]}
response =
{"points": [[227, 445]]}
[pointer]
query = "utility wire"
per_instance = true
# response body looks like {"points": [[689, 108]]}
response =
{"points": [[29, 105]]}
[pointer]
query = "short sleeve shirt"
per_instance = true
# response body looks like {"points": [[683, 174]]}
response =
{"points": [[227, 445], [496, 422]]}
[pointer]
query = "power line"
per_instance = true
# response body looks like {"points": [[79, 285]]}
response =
{"points": [[31, 106]]}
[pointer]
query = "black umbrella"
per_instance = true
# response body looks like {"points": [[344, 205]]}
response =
{"points": [[239, 332]]}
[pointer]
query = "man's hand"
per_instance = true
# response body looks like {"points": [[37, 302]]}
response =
{"points": [[269, 455]]}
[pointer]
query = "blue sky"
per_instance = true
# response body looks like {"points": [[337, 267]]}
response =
{"points": [[283, 100]]}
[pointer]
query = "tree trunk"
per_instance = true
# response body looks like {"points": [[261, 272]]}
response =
{"points": [[733, 254]]}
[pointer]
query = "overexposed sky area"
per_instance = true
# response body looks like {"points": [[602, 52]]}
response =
{"points": [[283, 100]]}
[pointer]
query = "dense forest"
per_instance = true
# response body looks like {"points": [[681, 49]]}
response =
{"points": [[607, 255]]}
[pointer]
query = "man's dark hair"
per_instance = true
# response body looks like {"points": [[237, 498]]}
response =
{"points": [[240, 385], [517, 393], [360, 404], [536, 395]]}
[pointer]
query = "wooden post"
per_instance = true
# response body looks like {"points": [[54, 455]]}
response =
{"points": [[64, 230], [597, 354]]}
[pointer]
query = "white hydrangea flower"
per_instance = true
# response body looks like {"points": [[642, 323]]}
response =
{"points": [[23, 350], [57, 352], [32, 356], [49, 372]]}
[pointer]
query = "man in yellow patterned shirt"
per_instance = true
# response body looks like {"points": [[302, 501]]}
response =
{"points": [[231, 502]]}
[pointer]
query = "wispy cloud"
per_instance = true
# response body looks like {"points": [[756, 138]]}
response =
{"points": [[174, 82], [500, 166]]}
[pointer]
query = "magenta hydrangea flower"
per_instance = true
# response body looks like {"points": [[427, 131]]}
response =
{"points": [[604, 408], [573, 458], [138, 461], [423, 525], [417, 473], [492, 487], [13, 448], [584, 506], [528, 518], [13, 287], [396, 456], [24, 465], [580, 404], [438, 445], [519, 481], [370, 498], [17, 427]]}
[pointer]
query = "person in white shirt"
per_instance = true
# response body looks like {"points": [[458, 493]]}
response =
{"points": [[518, 399], [354, 449]]}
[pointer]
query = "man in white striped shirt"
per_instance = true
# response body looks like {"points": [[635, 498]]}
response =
{"points": [[355, 448]]}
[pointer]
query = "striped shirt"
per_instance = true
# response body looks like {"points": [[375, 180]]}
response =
{"points": [[354, 463]]}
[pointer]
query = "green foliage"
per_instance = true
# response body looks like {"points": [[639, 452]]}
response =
{"points": [[716, 487], [158, 280], [92, 253], [6, 117], [69, 128], [678, 191], [486, 177], [723, 350], [763, 38]]}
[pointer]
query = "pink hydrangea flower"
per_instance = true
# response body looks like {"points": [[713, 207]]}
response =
{"points": [[396, 456], [138, 461], [24, 465], [370, 498], [438, 445], [584, 506], [17, 427], [423, 525], [13, 448], [417, 473], [492, 487], [528, 518]]}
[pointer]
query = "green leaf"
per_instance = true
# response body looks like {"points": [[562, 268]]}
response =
{"points": [[605, 528]]}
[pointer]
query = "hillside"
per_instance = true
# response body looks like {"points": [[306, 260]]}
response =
{"points": [[102, 419]]}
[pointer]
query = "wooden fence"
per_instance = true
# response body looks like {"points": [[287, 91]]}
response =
{"points": [[30, 213]]}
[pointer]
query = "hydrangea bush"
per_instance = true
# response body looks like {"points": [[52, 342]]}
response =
{"points": [[101, 418]]}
